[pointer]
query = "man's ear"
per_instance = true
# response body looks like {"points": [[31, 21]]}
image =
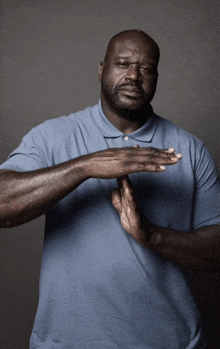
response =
{"points": [[101, 67]]}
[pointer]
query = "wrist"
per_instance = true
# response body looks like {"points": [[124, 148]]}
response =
{"points": [[150, 236], [84, 167], [144, 234]]}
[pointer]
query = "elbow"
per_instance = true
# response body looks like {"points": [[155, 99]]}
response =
{"points": [[7, 223]]}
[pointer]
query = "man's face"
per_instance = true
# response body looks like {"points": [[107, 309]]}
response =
{"points": [[129, 76]]}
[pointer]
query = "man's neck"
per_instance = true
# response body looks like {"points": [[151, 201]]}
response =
{"points": [[123, 123]]}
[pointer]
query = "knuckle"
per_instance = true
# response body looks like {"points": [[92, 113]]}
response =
{"points": [[153, 151], [151, 168]]}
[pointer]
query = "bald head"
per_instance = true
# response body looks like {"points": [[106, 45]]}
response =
{"points": [[137, 36], [128, 75]]}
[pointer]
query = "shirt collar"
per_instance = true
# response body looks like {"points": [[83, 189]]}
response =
{"points": [[144, 133]]}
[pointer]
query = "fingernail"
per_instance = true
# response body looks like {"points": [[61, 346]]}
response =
{"points": [[171, 150], [179, 156], [162, 167]]}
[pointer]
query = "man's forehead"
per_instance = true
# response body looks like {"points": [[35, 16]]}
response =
{"points": [[130, 48], [132, 42]]}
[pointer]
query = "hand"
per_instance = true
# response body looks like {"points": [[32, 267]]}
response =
{"points": [[132, 220], [118, 162]]}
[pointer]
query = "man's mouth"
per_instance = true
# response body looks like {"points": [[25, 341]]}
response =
{"points": [[130, 90]]}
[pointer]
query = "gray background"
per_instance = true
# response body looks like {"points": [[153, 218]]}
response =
{"points": [[50, 56]]}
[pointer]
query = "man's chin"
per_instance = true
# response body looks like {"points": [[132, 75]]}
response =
{"points": [[127, 106], [131, 105], [132, 111]]}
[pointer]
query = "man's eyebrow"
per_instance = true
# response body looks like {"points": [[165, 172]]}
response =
{"points": [[122, 57], [128, 58]]}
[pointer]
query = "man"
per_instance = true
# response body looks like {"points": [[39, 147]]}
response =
{"points": [[114, 278]]}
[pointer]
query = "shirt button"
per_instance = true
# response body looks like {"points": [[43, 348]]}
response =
{"points": [[126, 138]]}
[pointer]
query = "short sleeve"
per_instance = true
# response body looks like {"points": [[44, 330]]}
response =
{"points": [[207, 191], [33, 152]]}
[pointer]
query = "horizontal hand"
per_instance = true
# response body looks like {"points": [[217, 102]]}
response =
{"points": [[118, 162]]}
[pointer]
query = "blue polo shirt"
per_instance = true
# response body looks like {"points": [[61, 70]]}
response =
{"points": [[100, 289]]}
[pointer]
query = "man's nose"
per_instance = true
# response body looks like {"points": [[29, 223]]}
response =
{"points": [[133, 73]]}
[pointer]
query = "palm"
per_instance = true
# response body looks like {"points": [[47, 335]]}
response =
{"points": [[125, 203], [130, 218]]}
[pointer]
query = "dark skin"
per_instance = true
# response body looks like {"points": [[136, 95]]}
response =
{"points": [[134, 64], [25, 196], [128, 77], [197, 250]]}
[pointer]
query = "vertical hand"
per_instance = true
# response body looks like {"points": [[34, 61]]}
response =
{"points": [[123, 199]]}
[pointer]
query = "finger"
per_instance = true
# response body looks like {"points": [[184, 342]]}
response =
{"points": [[170, 158], [144, 166], [158, 159], [127, 185], [123, 179], [158, 151], [157, 156], [155, 150], [121, 189], [170, 150], [116, 200], [119, 180], [128, 194], [154, 168], [165, 153]]}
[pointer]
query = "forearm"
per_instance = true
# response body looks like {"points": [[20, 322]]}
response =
{"points": [[198, 250], [27, 195]]}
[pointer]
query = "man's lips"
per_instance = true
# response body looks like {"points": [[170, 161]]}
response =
{"points": [[132, 90]]}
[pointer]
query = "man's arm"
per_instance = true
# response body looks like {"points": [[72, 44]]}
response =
{"points": [[27, 195], [197, 250]]}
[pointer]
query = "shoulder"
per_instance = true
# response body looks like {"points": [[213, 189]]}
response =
{"points": [[180, 137], [64, 125], [68, 121]]}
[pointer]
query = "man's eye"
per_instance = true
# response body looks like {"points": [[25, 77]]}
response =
{"points": [[122, 64], [148, 70]]}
